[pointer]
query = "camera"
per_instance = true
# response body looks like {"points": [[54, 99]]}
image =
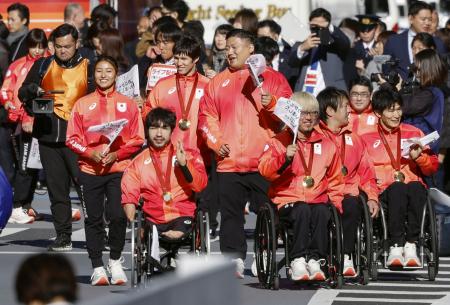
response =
{"points": [[43, 105], [323, 33], [389, 65]]}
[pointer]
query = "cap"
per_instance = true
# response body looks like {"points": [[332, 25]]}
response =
{"points": [[367, 22]]}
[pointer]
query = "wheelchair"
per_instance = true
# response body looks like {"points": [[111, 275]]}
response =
{"points": [[269, 227], [144, 266], [427, 242]]}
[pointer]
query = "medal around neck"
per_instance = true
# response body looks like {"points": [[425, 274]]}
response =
{"points": [[308, 181], [344, 170], [167, 196], [399, 176], [184, 124]]}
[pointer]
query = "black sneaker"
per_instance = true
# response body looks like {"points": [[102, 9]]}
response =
{"points": [[213, 236], [61, 244]]}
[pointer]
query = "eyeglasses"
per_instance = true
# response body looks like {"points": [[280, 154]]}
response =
{"points": [[309, 113], [360, 94]]}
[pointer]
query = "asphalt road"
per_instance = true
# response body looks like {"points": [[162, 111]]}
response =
{"points": [[18, 241]]}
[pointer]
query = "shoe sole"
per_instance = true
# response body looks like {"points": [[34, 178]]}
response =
{"points": [[304, 277], [239, 275], [101, 282], [412, 263], [118, 282], [396, 263], [317, 277], [60, 249], [20, 222], [350, 272]]}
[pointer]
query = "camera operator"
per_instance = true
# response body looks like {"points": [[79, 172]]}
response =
{"points": [[320, 57]]}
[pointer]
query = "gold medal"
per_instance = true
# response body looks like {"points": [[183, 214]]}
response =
{"points": [[167, 196], [344, 170], [308, 181], [184, 124], [399, 176]]}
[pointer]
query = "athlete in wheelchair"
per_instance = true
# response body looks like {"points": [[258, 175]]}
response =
{"points": [[160, 183], [359, 176], [305, 177], [407, 223]]}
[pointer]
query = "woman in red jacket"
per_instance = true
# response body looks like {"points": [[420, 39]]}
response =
{"points": [[105, 130], [25, 181]]}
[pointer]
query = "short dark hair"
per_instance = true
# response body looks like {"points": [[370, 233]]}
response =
{"points": [[426, 39], [163, 20], [417, 6], [330, 97], [149, 11], [36, 37], [187, 45], [385, 99], [178, 6], [24, 11], [272, 25], [169, 31], [361, 81], [242, 34], [63, 30], [43, 277], [320, 12], [103, 12], [267, 47], [158, 116], [109, 59], [194, 28]]}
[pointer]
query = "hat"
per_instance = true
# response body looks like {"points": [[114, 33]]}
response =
{"points": [[367, 22]]}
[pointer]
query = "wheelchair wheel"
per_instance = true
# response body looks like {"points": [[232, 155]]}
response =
{"points": [[365, 242], [201, 242], [336, 256], [431, 242], [149, 266], [265, 247], [137, 252], [133, 280]]}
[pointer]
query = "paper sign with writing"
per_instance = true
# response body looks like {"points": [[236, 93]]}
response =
{"points": [[128, 83], [157, 72], [257, 65], [289, 112]]}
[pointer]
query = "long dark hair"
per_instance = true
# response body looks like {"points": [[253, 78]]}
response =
{"points": [[113, 46], [433, 70]]}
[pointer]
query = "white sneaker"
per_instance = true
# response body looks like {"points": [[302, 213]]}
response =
{"points": [[20, 216], [316, 274], [240, 267], [410, 254], [298, 269], [118, 276], [76, 215], [99, 277], [395, 258], [349, 268], [254, 269]]}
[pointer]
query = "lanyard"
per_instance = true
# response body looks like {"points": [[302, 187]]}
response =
{"points": [[164, 180], [308, 168], [185, 110], [394, 161]]}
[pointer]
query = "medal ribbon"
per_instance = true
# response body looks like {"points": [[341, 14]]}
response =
{"points": [[395, 162], [164, 180], [310, 161], [343, 150], [185, 110]]}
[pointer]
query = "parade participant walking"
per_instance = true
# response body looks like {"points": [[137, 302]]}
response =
{"points": [[236, 120], [102, 164], [26, 178], [66, 71]]}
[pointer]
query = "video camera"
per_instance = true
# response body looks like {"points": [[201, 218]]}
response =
{"points": [[45, 104], [391, 75]]}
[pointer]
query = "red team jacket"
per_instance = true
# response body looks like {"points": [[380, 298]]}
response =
{"points": [[361, 173], [99, 108], [426, 164], [287, 187], [140, 180], [364, 122], [231, 113]]}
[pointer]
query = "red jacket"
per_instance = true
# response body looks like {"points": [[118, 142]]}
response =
{"points": [[426, 164], [140, 180], [361, 172], [287, 187], [364, 122], [98, 108], [164, 94], [16, 74], [231, 113]]}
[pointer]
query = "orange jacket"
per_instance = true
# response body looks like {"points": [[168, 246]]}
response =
{"points": [[426, 164], [231, 113], [287, 187], [14, 78], [140, 180], [364, 122], [164, 94], [361, 172], [98, 108]]}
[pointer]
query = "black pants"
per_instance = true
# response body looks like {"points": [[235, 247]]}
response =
{"points": [[350, 219], [60, 165], [93, 191], [234, 190], [208, 198], [6, 152], [26, 178], [405, 203], [310, 229]]}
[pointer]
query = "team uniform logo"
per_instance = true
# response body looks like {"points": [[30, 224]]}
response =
{"points": [[147, 161], [122, 107], [92, 107], [225, 83], [376, 143], [172, 90]]}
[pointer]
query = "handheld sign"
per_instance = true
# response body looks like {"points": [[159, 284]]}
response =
{"points": [[128, 83], [289, 112], [34, 158], [257, 65], [428, 139], [111, 130], [157, 72]]}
